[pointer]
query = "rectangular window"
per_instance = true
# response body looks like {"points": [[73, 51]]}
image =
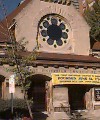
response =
{"points": [[97, 94]]}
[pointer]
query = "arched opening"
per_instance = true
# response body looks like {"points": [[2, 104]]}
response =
{"points": [[37, 91]]}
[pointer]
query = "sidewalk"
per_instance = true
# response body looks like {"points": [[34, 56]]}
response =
{"points": [[79, 115], [92, 114], [58, 116]]}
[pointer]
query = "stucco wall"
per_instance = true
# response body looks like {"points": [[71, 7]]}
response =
{"points": [[17, 95], [60, 97], [28, 19]]}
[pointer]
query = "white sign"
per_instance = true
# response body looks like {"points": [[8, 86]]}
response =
{"points": [[12, 84]]}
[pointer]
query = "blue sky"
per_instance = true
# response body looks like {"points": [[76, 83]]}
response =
{"points": [[10, 5]]}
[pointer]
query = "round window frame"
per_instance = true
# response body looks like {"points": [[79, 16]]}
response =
{"points": [[60, 18]]}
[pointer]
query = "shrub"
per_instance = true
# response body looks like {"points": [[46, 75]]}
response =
{"points": [[19, 107]]}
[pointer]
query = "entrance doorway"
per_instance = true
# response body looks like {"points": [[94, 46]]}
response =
{"points": [[77, 97], [37, 92]]}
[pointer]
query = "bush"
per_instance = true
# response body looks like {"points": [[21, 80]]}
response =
{"points": [[19, 107]]}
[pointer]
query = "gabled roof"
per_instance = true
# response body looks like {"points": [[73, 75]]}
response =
{"points": [[4, 37], [3, 31]]}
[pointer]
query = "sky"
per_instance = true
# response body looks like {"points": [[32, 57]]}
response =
{"points": [[10, 5]]}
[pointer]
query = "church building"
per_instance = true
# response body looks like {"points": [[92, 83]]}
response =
{"points": [[67, 69]]}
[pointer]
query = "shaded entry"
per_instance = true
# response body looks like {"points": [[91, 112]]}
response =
{"points": [[77, 97], [37, 92]]}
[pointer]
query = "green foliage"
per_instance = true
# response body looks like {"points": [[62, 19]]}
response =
{"points": [[19, 107], [92, 16], [20, 63], [20, 66], [18, 104]]}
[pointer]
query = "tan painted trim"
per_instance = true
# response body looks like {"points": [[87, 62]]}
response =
{"points": [[3, 89]]}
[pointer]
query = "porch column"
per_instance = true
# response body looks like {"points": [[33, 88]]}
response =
{"points": [[88, 97], [3, 89]]}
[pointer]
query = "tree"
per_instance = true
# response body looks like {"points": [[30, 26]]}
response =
{"points": [[14, 57], [92, 16]]}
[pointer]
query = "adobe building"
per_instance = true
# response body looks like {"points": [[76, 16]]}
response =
{"points": [[65, 55]]}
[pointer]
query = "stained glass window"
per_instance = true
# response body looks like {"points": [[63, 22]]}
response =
{"points": [[54, 30]]}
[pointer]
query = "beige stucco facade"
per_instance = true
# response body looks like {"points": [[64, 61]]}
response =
{"points": [[27, 27], [78, 43], [59, 97]]}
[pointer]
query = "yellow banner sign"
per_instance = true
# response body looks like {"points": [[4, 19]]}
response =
{"points": [[75, 78]]}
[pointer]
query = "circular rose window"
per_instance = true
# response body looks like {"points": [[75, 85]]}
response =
{"points": [[54, 30]]}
